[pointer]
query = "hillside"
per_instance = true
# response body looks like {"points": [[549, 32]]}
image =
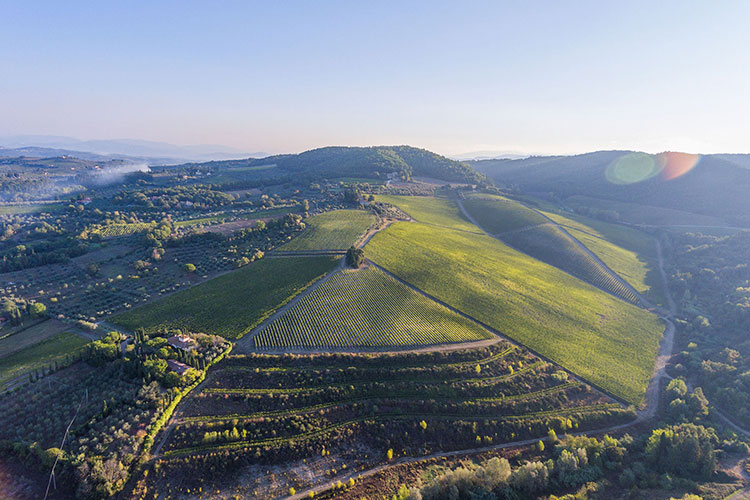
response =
{"points": [[368, 162], [616, 175]]}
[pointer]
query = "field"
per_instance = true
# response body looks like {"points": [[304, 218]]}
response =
{"points": [[634, 213], [367, 308], [32, 332], [40, 355], [606, 341], [429, 210], [498, 215], [330, 414], [232, 304], [336, 230], [531, 233], [115, 230], [551, 245], [30, 208], [628, 252]]}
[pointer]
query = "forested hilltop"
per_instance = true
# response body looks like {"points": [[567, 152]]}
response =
{"points": [[375, 162]]}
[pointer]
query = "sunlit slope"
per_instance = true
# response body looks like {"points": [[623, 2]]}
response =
{"points": [[606, 341], [435, 211], [532, 233], [366, 308], [628, 252], [335, 230]]}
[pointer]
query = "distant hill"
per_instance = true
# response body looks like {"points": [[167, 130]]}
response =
{"points": [[718, 185], [128, 149], [368, 162]]}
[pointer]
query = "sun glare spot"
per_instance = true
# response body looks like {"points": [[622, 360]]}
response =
{"points": [[674, 165], [632, 168]]}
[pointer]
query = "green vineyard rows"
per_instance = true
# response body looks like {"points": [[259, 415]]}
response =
{"points": [[367, 308]]}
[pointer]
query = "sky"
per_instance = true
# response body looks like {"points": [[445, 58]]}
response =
{"points": [[454, 77]]}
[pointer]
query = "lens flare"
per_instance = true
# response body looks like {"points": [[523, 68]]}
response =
{"points": [[674, 165], [632, 168]]}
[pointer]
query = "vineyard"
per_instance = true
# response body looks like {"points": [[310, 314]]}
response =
{"points": [[232, 304], [337, 411], [496, 214], [117, 230], [336, 230], [605, 340], [366, 308], [430, 210], [59, 348], [628, 252], [550, 244]]}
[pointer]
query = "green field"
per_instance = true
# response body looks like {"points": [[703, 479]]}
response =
{"points": [[367, 308], [604, 340], [232, 304], [29, 334], [628, 252], [40, 355], [30, 208], [336, 230], [498, 215], [435, 211], [551, 245]]}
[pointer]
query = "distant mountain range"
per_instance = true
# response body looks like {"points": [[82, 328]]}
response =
{"points": [[128, 149]]}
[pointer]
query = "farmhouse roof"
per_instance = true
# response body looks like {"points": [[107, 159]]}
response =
{"points": [[181, 342], [176, 366]]}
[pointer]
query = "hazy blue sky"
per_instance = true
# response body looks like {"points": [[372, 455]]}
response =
{"points": [[545, 77]]}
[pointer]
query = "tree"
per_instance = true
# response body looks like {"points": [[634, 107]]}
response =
{"points": [[478, 369], [389, 454], [189, 268], [355, 257], [423, 425], [37, 309], [540, 445]]}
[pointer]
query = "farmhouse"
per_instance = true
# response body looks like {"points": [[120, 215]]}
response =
{"points": [[176, 366], [182, 342]]}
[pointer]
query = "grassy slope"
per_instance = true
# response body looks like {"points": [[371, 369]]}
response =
{"points": [[605, 340], [39, 355], [628, 252], [367, 308], [232, 304], [336, 230], [435, 211], [34, 334], [497, 214]]}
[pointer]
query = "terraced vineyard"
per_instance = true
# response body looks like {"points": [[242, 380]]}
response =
{"points": [[367, 308], [262, 409], [497, 214], [336, 230], [605, 340], [551, 245], [232, 304]]}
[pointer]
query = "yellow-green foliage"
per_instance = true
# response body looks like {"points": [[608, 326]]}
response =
{"points": [[367, 308], [435, 211], [337, 230], [604, 340], [232, 304], [628, 252]]}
